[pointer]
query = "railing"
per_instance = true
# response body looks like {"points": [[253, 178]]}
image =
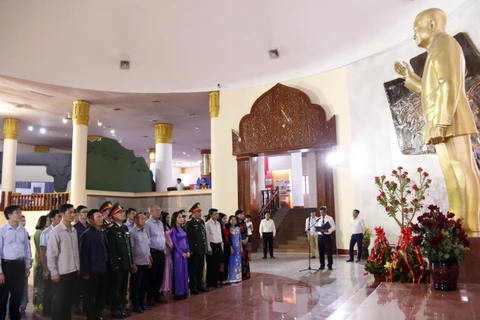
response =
{"points": [[270, 202], [40, 201]]}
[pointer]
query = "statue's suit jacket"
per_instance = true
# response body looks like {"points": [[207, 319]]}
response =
{"points": [[442, 88]]}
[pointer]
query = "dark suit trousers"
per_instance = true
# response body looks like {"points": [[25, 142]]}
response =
{"points": [[156, 275], [213, 264], [139, 284], [64, 295], [14, 272], [94, 289], [267, 241], [325, 244], [196, 264], [118, 290], [358, 239], [47, 297]]}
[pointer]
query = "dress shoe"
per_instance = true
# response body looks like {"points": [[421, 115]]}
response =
{"points": [[118, 315], [194, 291], [152, 303], [272, 257], [330, 268], [161, 300], [358, 261], [321, 268], [211, 288], [349, 260], [312, 257], [203, 289], [264, 258], [125, 313], [137, 309], [144, 307]]}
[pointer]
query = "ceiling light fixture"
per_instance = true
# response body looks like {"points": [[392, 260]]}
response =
{"points": [[112, 131], [197, 128], [30, 128], [67, 118], [192, 114], [124, 64], [99, 123], [184, 152], [274, 54], [42, 130]]}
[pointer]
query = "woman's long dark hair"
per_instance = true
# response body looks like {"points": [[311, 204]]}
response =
{"points": [[41, 223], [164, 220], [229, 225], [174, 220]]}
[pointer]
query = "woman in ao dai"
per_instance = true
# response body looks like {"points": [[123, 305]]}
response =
{"points": [[235, 263]]}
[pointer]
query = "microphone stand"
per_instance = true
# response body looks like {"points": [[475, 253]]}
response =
{"points": [[309, 251]]}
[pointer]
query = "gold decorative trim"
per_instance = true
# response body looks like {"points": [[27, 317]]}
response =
{"points": [[214, 104], [152, 153], [163, 133], [42, 149], [10, 129], [94, 138], [81, 112]]}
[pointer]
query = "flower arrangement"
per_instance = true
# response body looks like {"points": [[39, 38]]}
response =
{"points": [[380, 255], [440, 236], [367, 235], [400, 199]]}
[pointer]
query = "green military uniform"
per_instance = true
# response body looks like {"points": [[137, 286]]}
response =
{"points": [[120, 252], [197, 241], [105, 208]]}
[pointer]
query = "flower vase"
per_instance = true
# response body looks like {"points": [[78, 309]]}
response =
{"points": [[444, 274], [365, 251]]}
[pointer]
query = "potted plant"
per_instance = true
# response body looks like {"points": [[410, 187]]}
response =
{"points": [[444, 242], [367, 236], [381, 254]]}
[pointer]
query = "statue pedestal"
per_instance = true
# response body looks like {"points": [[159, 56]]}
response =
{"points": [[470, 265]]}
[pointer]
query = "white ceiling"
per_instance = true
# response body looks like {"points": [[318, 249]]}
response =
{"points": [[50, 104], [191, 46]]}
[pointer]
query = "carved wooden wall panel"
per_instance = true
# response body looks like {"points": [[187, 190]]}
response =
{"points": [[283, 119]]}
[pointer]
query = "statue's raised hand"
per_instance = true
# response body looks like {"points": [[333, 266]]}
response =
{"points": [[403, 69]]}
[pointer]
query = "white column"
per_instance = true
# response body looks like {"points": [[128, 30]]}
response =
{"points": [[312, 180], [163, 156], [10, 134], [214, 108], [152, 152], [261, 173], [297, 181], [78, 192]]}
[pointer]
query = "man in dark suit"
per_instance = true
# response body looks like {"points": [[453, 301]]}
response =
{"points": [[120, 251], [197, 240], [93, 265]]}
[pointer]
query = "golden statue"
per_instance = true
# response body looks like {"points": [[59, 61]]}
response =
{"points": [[449, 119]]}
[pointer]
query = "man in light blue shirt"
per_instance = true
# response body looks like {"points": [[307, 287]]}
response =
{"points": [[156, 233], [16, 262]]}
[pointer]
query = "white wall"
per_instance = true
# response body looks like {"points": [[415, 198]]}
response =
{"points": [[280, 162], [329, 90], [374, 150]]}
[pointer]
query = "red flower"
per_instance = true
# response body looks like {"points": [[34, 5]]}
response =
{"points": [[395, 202], [419, 169], [415, 187], [450, 215], [382, 194], [379, 198], [383, 177], [394, 172], [425, 174], [388, 209], [377, 178]]}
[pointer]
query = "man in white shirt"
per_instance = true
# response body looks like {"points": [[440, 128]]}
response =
{"points": [[325, 238], [267, 233], [312, 233], [214, 247], [63, 262], [180, 185], [358, 228]]}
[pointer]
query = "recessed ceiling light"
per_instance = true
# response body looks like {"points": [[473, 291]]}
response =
{"points": [[64, 120], [184, 152], [42, 130], [99, 123], [153, 120], [66, 135], [30, 128], [112, 131], [188, 155], [145, 136], [197, 128], [192, 114], [117, 109], [120, 141], [157, 101]]}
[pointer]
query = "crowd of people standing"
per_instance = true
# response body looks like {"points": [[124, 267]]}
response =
{"points": [[87, 259]]}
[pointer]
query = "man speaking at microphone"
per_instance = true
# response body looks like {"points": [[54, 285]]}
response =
{"points": [[325, 226]]}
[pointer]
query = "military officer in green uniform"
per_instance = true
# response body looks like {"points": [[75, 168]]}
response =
{"points": [[105, 208], [120, 251], [197, 240]]}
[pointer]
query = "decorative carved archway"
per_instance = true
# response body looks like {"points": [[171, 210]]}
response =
{"points": [[282, 119]]}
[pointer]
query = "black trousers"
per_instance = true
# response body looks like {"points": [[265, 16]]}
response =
{"points": [[156, 274], [118, 290], [47, 297], [139, 284], [213, 264], [64, 295], [225, 260], [325, 244], [358, 239], [196, 264], [267, 241], [14, 272], [94, 291]]}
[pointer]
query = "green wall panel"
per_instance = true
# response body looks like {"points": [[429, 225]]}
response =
{"points": [[111, 167]]}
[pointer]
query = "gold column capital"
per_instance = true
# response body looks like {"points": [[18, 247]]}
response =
{"points": [[81, 112], [214, 104], [94, 138], [10, 129], [163, 133], [152, 152], [42, 149]]}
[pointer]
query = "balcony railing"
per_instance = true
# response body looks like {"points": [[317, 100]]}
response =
{"points": [[270, 202], [35, 202]]}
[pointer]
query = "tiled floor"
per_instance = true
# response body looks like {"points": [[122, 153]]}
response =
{"points": [[277, 290]]}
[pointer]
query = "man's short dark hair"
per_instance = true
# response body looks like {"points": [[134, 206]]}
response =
{"points": [[91, 213], [323, 208], [212, 211], [52, 214], [9, 210], [179, 180], [239, 211], [248, 216], [64, 207], [130, 210], [357, 211], [80, 208]]}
